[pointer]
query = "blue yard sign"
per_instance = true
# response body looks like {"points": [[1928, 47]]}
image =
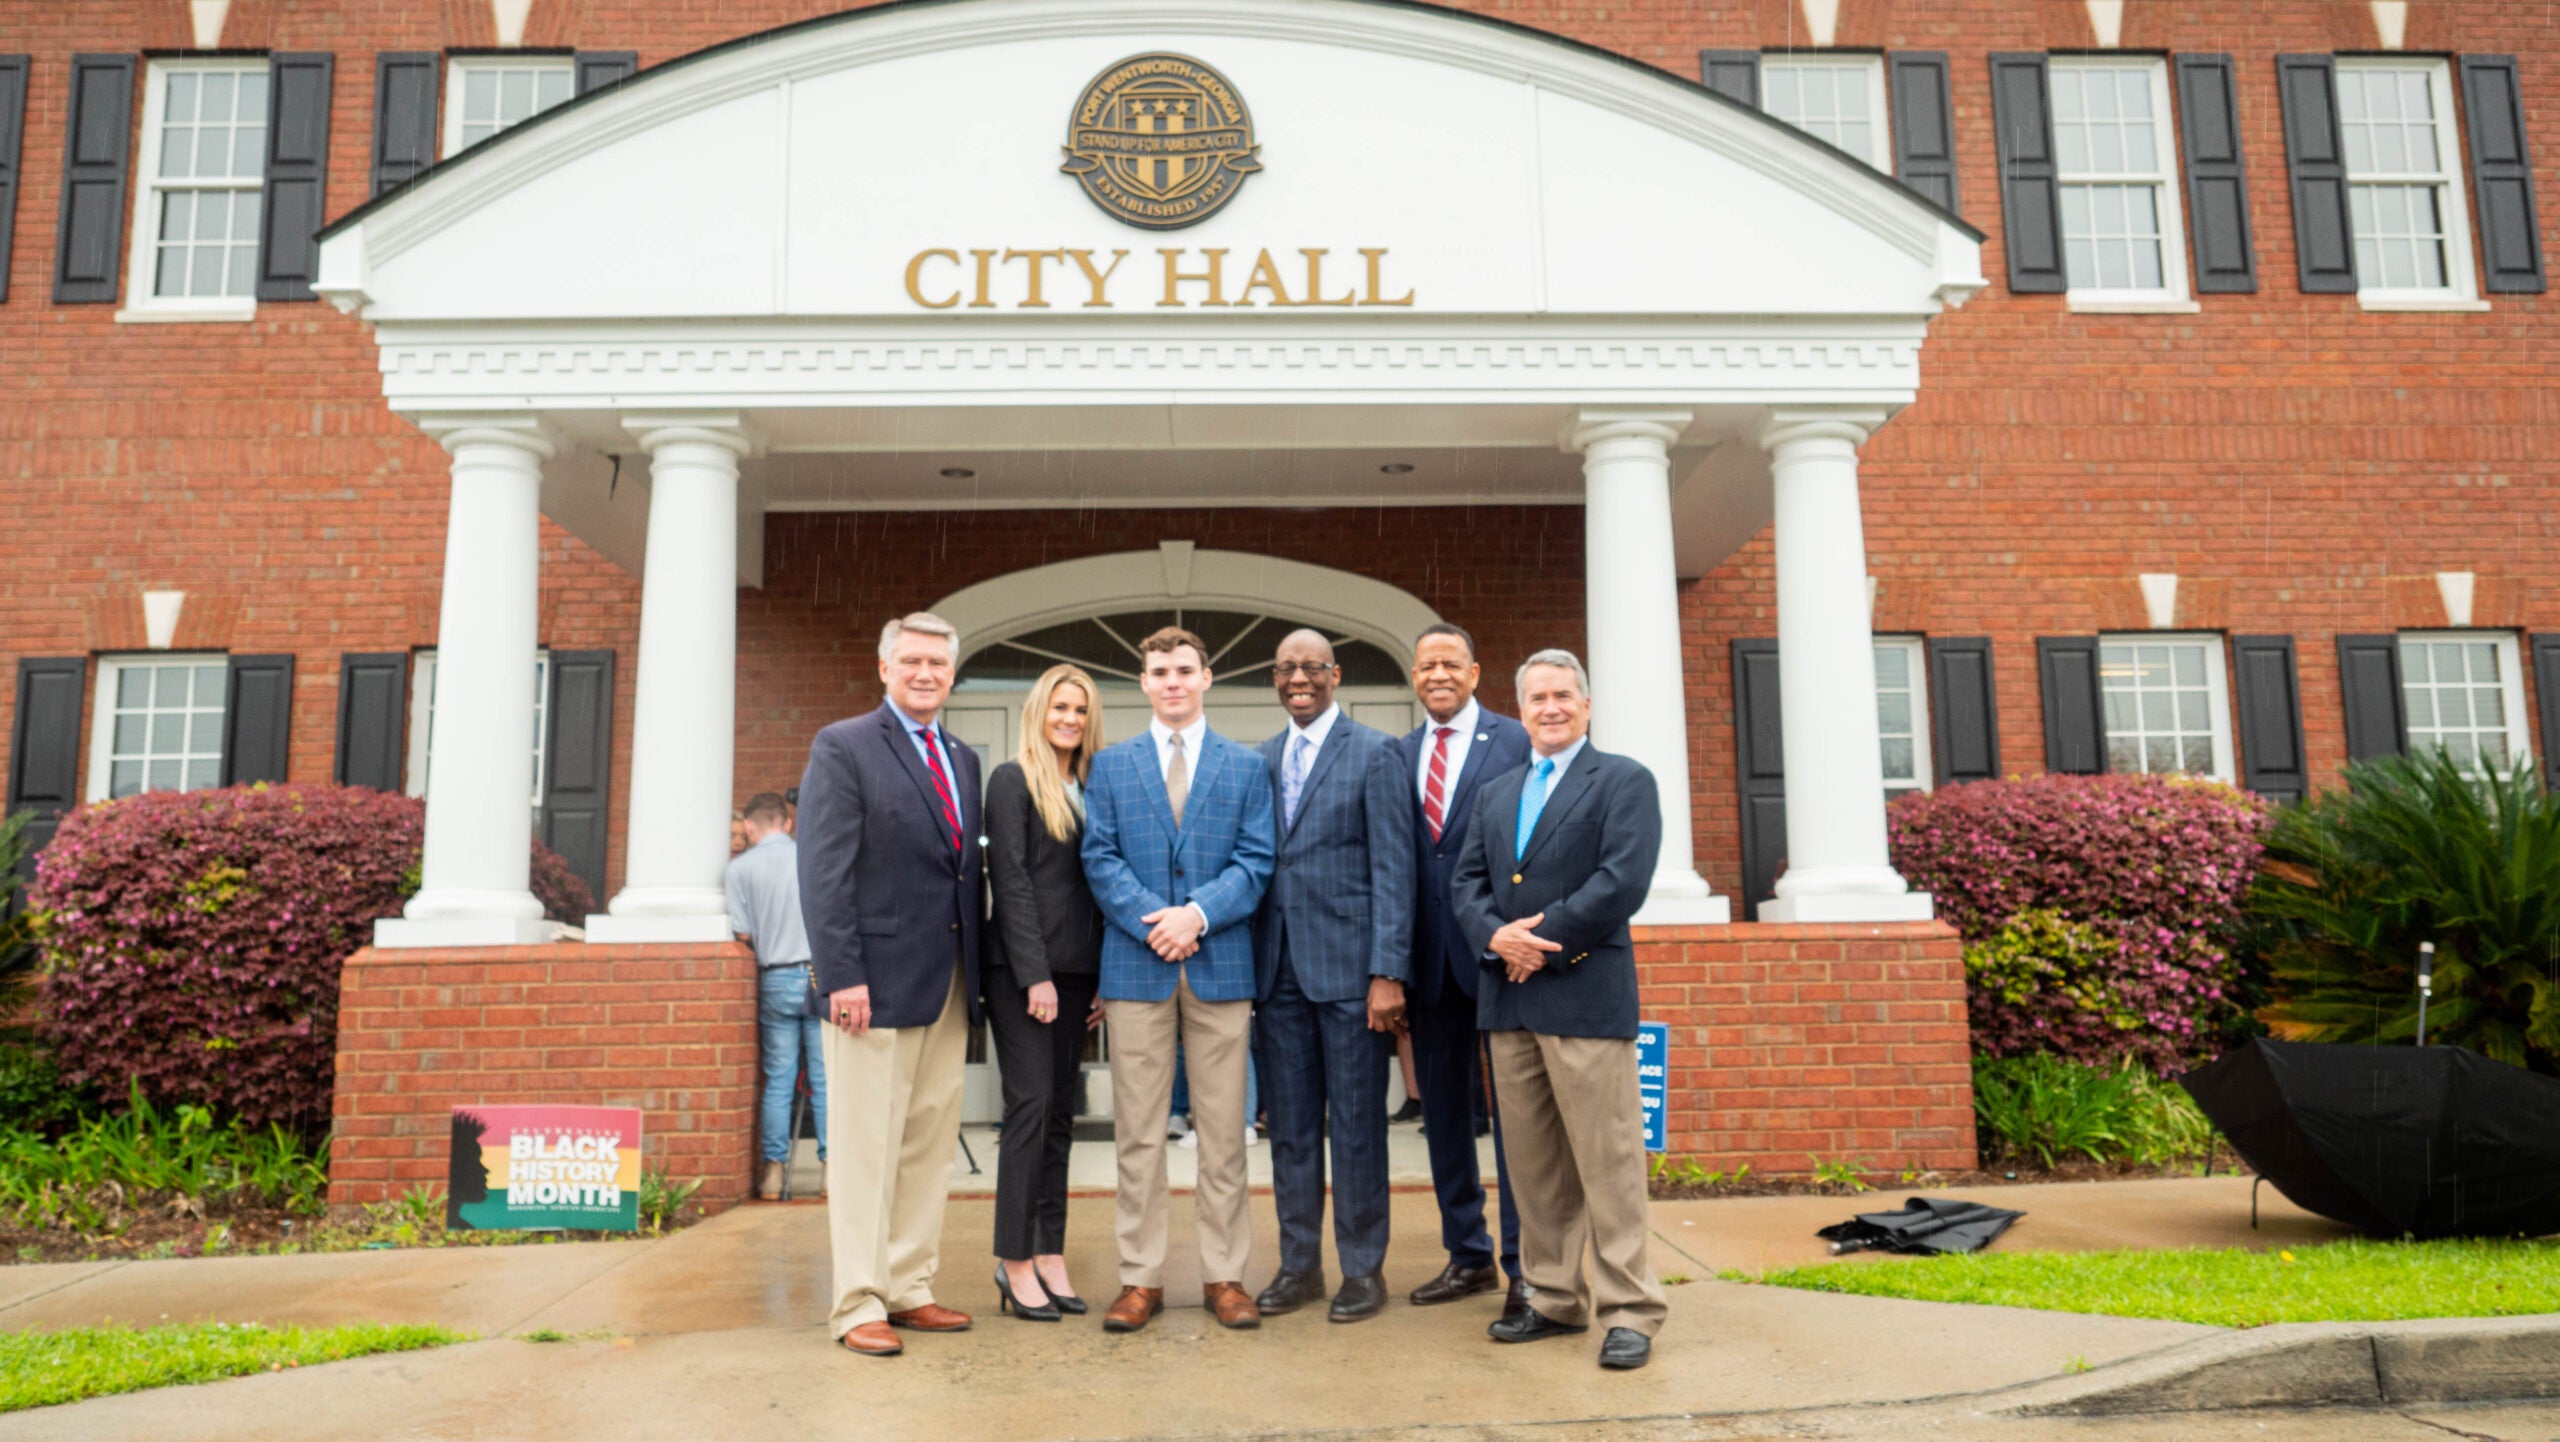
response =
{"points": [[1653, 1083]]}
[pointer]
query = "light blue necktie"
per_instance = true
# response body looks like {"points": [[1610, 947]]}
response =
{"points": [[1293, 778], [1533, 799]]}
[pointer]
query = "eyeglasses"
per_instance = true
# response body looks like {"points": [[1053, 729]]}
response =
{"points": [[1312, 670]]}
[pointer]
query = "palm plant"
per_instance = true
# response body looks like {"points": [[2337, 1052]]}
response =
{"points": [[2417, 849]]}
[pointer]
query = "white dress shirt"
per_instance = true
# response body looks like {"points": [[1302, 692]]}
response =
{"points": [[1192, 737], [1465, 722], [1315, 731]]}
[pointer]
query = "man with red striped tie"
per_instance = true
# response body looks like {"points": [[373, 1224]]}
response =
{"points": [[890, 873], [1451, 756]]}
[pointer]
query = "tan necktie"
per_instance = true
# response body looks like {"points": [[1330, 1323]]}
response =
{"points": [[1177, 779]]}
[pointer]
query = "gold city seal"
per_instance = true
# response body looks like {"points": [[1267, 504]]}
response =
{"points": [[1160, 141]]}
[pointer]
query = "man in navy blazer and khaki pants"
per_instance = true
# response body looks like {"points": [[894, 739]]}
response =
{"points": [[1558, 859], [889, 886]]}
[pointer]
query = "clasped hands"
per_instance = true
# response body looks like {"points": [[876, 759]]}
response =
{"points": [[1522, 951], [1174, 931]]}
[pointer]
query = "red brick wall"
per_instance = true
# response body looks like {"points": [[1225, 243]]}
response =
{"points": [[668, 1029], [1797, 1045]]}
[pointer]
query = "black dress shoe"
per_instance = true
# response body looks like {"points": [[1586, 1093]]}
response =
{"points": [[1411, 1111], [1516, 1300], [1625, 1349], [1454, 1282], [1530, 1325], [1360, 1299], [1289, 1291]]}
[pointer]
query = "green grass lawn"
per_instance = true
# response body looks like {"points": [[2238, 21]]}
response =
{"points": [[40, 1369], [2351, 1281]]}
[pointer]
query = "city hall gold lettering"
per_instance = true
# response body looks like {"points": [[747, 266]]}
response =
{"points": [[1157, 141]]}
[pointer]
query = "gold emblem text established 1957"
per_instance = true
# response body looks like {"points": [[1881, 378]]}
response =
{"points": [[1160, 141]]}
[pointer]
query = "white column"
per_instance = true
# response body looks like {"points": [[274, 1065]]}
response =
{"points": [[1631, 591], [472, 880], [1837, 865], [684, 718]]}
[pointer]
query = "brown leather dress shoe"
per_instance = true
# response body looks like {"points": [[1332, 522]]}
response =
{"points": [[872, 1339], [931, 1317], [1228, 1303], [1133, 1308]]}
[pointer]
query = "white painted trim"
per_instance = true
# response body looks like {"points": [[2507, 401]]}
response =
{"points": [[1383, 615], [2217, 682], [205, 18], [184, 312], [1821, 20], [2405, 301], [1924, 755], [2510, 679], [102, 706], [142, 245], [2106, 22], [509, 16], [2461, 287], [160, 611], [2159, 598], [2456, 589], [2163, 179], [2390, 22], [2085, 305], [449, 134], [1879, 107]]}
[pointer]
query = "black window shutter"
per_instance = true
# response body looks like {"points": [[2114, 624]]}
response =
{"points": [[2324, 237], [373, 710], [1924, 124], [2030, 194], [97, 152], [1734, 74], [404, 116], [2501, 176], [2270, 695], [2217, 181], [577, 789], [2369, 685], [257, 720], [44, 745], [2546, 697], [2075, 733], [297, 200], [600, 68], [1760, 769], [13, 134], [1964, 711]]}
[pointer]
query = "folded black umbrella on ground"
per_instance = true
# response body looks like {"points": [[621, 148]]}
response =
{"points": [[2395, 1141], [1925, 1224]]}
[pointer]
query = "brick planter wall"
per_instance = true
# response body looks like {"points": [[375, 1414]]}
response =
{"points": [[668, 1029], [1792, 1045]]}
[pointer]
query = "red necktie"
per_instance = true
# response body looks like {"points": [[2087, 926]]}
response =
{"points": [[1435, 782], [941, 786]]}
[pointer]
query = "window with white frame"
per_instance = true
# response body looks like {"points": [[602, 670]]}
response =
{"points": [[2464, 696], [203, 176], [157, 725], [1838, 98], [2113, 154], [2167, 705], [422, 718], [2404, 186], [485, 94], [1902, 714]]}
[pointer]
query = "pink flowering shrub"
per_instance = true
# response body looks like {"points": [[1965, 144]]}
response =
{"points": [[2098, 912], [192, 940]]}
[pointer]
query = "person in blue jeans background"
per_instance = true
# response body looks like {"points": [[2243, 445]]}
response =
{"points": [[764, 910], [1181, 1129]]}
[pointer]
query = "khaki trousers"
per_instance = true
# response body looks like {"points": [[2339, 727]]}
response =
{"points": [[893, 1119], [1574, 1131], [1144, 1035]]}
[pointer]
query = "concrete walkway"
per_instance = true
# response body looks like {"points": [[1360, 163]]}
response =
{"points": [[718, 1332]]}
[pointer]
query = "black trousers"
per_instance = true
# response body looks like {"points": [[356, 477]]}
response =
{"points": [[1037, 1062]]}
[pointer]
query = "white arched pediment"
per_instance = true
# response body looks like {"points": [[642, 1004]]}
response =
{"points": [[1175, 574], [1495, 171]]}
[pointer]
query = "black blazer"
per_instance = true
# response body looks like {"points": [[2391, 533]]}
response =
{"points": [[1589, 866], [1440, 953], [890, 903], [1046, 922]]}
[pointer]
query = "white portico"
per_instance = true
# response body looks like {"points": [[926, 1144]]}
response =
{"points": [[852, 265]]}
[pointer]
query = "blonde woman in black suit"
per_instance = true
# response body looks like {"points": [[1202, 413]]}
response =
{"points": [[1041, 975]]}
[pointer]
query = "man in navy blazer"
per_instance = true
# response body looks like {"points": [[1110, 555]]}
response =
{"points": [[889, 888], [1447, 762], [1334, 945], [1557, 861], [1177, 847]]}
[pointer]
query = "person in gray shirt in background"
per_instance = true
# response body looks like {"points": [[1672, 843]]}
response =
{"points": [[764, 910]]}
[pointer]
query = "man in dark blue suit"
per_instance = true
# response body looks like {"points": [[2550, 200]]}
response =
{"points": [[1332, 950], [1557, 861], [1447, 762], [889, 887]]}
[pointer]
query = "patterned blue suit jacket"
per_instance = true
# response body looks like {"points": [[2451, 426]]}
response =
{"points": [[1341, 903], [1139, 862]]}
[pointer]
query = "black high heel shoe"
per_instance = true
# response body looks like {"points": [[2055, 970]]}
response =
{"points": [[1045, 1312], [1072, 1306]]}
